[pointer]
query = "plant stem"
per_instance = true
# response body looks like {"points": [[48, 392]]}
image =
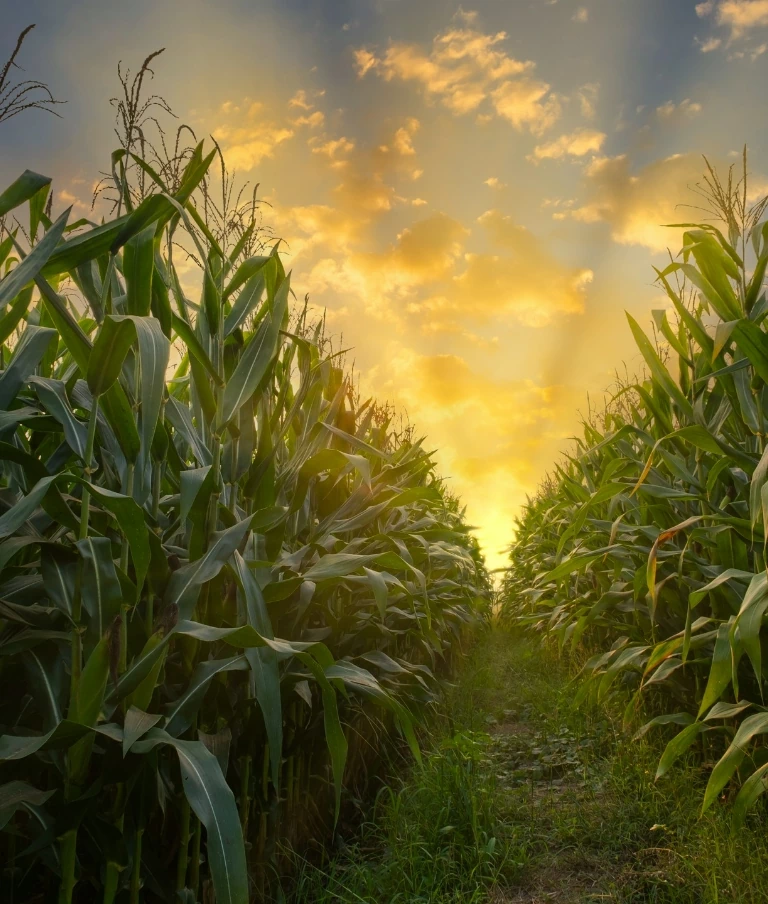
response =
{"points": [[68, 854], [245, 799], [111, 878], [194, 866], [183, 859], [136, 868]]}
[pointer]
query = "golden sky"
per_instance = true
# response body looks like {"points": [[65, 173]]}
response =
{"points": [[474, 194]]}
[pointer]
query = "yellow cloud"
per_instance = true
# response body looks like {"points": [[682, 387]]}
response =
{"points": [[300, 100], [367, 174], [575, 144], [248, 138], [465, 67], [314, 120], [335, 150], [636, 205], [707, 45], [742, 15], [672, 112], [526, 282], [317, 225], [587, 96], [423, 253]]}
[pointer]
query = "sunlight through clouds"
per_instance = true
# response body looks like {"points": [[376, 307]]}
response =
{"points": [[472, 197], [463, 69]]}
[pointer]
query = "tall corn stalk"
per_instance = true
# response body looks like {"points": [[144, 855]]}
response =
{"points": [[206, 571], [647, 545]]}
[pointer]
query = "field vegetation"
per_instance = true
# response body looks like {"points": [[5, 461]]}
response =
{"points": [[227, 582], [647, 545]]}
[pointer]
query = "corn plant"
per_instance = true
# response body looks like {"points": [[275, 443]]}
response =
{"points": [[207, 570], [647, 544]]}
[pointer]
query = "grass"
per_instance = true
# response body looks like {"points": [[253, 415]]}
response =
{"points": [[524, 799]]}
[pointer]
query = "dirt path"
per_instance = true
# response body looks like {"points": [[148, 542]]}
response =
{"points": [[524, 799]]}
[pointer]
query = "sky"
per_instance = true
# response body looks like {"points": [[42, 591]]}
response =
{"points": [[474, 194]]}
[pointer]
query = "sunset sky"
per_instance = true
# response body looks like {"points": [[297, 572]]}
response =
{"points": [[475, 194]]}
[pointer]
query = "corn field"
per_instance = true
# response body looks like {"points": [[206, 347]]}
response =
{"points": [[225, 579], [647, 545]]}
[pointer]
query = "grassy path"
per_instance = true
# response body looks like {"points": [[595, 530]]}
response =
{"points": [[522, 800]]}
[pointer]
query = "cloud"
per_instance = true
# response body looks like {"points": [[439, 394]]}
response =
{"points": [[305, 228], [742, 15], [465, 69], [247, 145], [520, 280], [69, 199], [368, 172], [581, 15], [672, 112], [524, 282], [707, 45], [494, 182], [300, 100], [336, 150], [705, 8], [314, 120], [753, 54], [636, 204], [587, 96], [575, 144], [423, 253]]}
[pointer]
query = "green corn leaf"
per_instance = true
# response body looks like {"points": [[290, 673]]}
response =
{"points": [[16, 795], [184, 586], [138, 269], [13, 316], [750, 618], [263, 662], [25, 272], [139, 681], [93, 684], [576, 563], [130, 520], [719, 670], [249, 297], [659, 371], [678, 745], [733, 756], [195, 348], [749, 793], [246, 272], [18, 747], [33, 344], [137, 724], [180, 714], [53, 396], [754, 343], [252, 367], [115, 337], [25, 187], [214, 804], [379, 588], [337, 565], [101, 592]]}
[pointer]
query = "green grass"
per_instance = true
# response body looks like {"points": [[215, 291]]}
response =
{"points": [[523, 799]]}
